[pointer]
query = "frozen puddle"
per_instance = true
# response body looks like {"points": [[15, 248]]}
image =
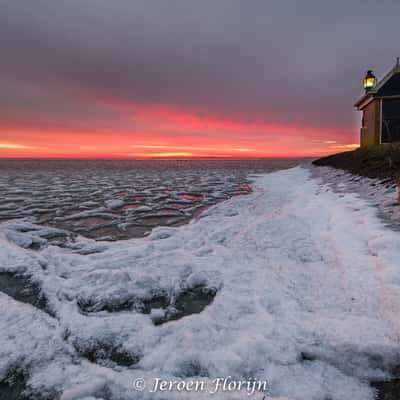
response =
{"points": [[388, 390], [190, 301], [21, 288], [294, 284], [107, 353], [161, 307], [13, 386]]}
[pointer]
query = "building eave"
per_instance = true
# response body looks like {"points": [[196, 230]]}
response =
{"points": [[364, 101]]}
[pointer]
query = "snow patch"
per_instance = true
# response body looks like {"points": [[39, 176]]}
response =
{"points": [[306, 293]]}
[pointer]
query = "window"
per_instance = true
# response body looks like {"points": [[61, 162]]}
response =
{"points": [[391, 120]]}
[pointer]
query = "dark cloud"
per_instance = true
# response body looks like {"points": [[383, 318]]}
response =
{"points": [[282, 61]]}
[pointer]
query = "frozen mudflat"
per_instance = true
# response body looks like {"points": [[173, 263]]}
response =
{"points": [[121, 199], [294, 283]]}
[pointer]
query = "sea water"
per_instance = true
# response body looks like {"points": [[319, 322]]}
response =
{"points": [[121, 199]]}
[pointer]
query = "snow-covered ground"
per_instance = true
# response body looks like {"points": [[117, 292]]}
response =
{"points": [[307, 296], [382, 194]]}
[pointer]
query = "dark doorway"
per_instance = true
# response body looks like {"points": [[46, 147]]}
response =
{"points": [[391, 120]]}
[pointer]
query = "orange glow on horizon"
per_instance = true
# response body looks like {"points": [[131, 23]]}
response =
{"points": [[162, 132], [14, 146]]}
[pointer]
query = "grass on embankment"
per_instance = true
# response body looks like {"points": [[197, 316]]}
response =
{"points": [[378, 161]]}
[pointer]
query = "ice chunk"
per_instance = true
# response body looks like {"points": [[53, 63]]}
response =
{"points": [[114, 203]]}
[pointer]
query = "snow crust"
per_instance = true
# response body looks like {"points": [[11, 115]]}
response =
{"points": [[308, 295]]}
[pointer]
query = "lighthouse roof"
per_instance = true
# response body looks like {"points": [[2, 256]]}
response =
{"points": [[388, 86]]}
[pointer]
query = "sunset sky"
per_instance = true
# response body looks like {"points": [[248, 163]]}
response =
{"points": [[209, 78]]}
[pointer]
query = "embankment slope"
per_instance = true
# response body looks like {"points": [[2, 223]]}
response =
{"points": [[378, 161]]}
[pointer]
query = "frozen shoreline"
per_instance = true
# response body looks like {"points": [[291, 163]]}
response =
{"points": [[383, 194], [307, 297]]}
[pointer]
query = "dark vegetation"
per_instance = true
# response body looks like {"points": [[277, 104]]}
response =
{"points": [[377, 161]]}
